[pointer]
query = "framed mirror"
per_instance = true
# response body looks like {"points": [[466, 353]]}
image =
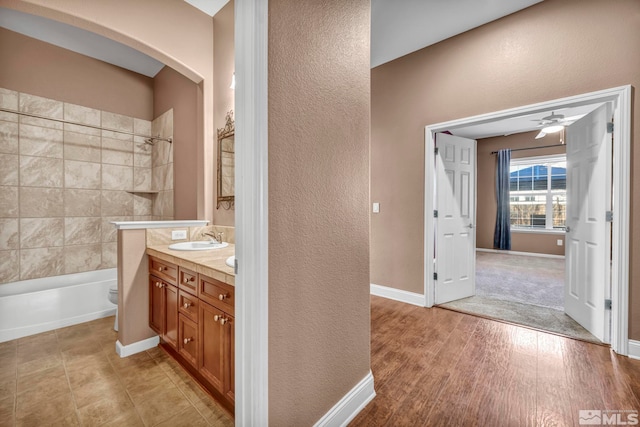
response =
{"points": [[226, 164]]}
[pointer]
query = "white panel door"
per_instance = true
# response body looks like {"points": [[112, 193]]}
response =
{"points": [[455, 262], [588, 234]]}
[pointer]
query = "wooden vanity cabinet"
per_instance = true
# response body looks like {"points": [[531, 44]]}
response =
{"points": [[163, 309]]}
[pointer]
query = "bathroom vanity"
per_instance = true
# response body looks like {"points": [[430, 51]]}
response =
{"points": [[192, 307]]}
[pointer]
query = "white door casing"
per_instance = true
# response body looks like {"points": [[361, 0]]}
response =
{"points": [[455, 224], [587, 272]]}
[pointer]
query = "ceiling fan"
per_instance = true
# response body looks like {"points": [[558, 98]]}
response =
{"points": [[551, 124]]}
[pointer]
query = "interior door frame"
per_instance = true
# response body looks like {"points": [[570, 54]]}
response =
{"points": [[620, 97]]}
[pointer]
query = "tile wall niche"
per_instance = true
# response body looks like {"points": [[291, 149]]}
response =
{"points": [[61, 184]]}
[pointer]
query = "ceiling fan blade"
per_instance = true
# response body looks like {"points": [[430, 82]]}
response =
{"points": [[541, 135]]}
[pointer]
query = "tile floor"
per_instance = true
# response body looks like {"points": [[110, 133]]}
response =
{"points": [[73, 376]]}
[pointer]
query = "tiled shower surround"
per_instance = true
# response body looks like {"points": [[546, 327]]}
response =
{"points": [[62, 184]]}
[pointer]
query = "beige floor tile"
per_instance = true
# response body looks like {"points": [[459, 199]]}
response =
{"points": [[90, 374], [8, 387], [74, 351], [120, 363], [45, 362], [7, 410], [39, 339], [35, 351], [70, 420], [36, 409], [104, 410], [164, 405], [96, 361], [128, 418], [54, 378], [107, 387], [139, 391], [187, 418]]}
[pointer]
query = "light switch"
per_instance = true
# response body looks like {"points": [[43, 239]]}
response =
{"points": [[559, 242], [178, 234], [376, 207]]}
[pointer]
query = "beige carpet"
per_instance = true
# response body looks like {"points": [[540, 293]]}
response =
{"points": [[524, 290]]}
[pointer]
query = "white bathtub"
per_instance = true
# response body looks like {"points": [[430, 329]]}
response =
{"points": [[32, 306]]}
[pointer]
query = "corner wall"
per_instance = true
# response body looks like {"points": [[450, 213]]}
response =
{"points": [[501, 65], [318, 205]]}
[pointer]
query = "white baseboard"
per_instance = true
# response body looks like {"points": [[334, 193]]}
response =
{"points": [[634, 349], [350, 405], [136, 347], [398, 295], [497, 251]]}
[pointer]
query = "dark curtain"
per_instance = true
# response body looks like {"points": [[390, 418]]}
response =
{"points": [[502, 233]]}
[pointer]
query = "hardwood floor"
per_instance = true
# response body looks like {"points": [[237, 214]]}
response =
{"points": [[436, 367]]}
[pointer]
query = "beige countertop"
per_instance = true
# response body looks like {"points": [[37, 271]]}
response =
{"points": [[210, 263]]}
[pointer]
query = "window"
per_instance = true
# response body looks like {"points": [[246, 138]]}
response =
{"points": [[538, 192]]}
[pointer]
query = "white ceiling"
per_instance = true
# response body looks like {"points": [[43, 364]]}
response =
{"points": [[210, 7]]}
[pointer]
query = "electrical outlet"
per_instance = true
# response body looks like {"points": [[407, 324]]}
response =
{"points": [[376, 207], [178, 234], [559, 242]]}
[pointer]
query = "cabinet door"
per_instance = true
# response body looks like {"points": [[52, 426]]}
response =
{"points": [[156, 305], [211, 345], [188, 340], [170, 334], [230, 368]]}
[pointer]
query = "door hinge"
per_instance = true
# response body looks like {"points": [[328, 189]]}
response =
{"points": [[607, 304], [435, 150], [435, 276], [435, 213], [610, 127], [609, 216], [235, 266]]}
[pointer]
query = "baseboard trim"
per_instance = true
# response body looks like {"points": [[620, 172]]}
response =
{"points": [[398, 295], [136, 347], [350, 405], [496, 251], [634, 349]]}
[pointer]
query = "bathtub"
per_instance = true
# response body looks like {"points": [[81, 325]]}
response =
{"points": [[32, 306]]}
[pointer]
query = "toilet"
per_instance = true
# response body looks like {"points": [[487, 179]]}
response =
{"points": [[113, 298]]}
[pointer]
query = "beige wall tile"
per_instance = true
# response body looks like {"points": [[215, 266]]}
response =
{"points": [[41, 262], [117, 203], [43, 123], [162, 236], [78, 231], [117, 151], [9, 117], [8, 202], [8, 99], [41, 202], [41, 106], [9, 137], [142, 179], [82, 174], [116, 177], [79, 114], [9, 266], [39, 141], [81, 202], [143, 204], [143, 218], [117, 122], [109, 232], [41, 232], [83, 147], [9, 235], [68, 127], [9, 167], [167, 204], [142, 127], [109, 255], [41, 172], [82, 258]]}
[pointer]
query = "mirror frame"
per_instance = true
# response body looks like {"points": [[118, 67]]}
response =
{"points": [[227, 202]]}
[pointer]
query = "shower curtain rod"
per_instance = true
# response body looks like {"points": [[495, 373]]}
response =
{"points": [[169, 140], [533, 148]]}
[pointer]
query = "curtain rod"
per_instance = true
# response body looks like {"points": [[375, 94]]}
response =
{"points": [[36, 116], [533, 148]]}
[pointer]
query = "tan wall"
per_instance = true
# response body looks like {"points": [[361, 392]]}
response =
{"points": [[175, 33], [223, 69], [486, 192], [318, 205], [174, 91], [32, 66], [500, 65]]}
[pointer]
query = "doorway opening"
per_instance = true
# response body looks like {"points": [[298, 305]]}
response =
{"points": [[619, 98]]}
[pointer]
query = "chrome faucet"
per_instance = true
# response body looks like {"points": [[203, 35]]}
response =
{"points": [[213, 236]]}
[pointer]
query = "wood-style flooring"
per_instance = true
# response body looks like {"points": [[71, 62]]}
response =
{"points": [[436, 367]]}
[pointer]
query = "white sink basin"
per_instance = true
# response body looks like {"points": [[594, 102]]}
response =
{"points": [[197, 246], [231, 261]]}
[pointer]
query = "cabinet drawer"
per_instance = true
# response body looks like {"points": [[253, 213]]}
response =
{"points": [[217, 293], [188, 305], [188, 340], [188, 281], [164, 270]]}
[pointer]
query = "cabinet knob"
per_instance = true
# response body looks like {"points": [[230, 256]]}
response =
{"points": [[158, 284], [222, 297], [186, 341], [187, 280], [186, 305], [215, 318], [160, 268], [223, 320]]}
